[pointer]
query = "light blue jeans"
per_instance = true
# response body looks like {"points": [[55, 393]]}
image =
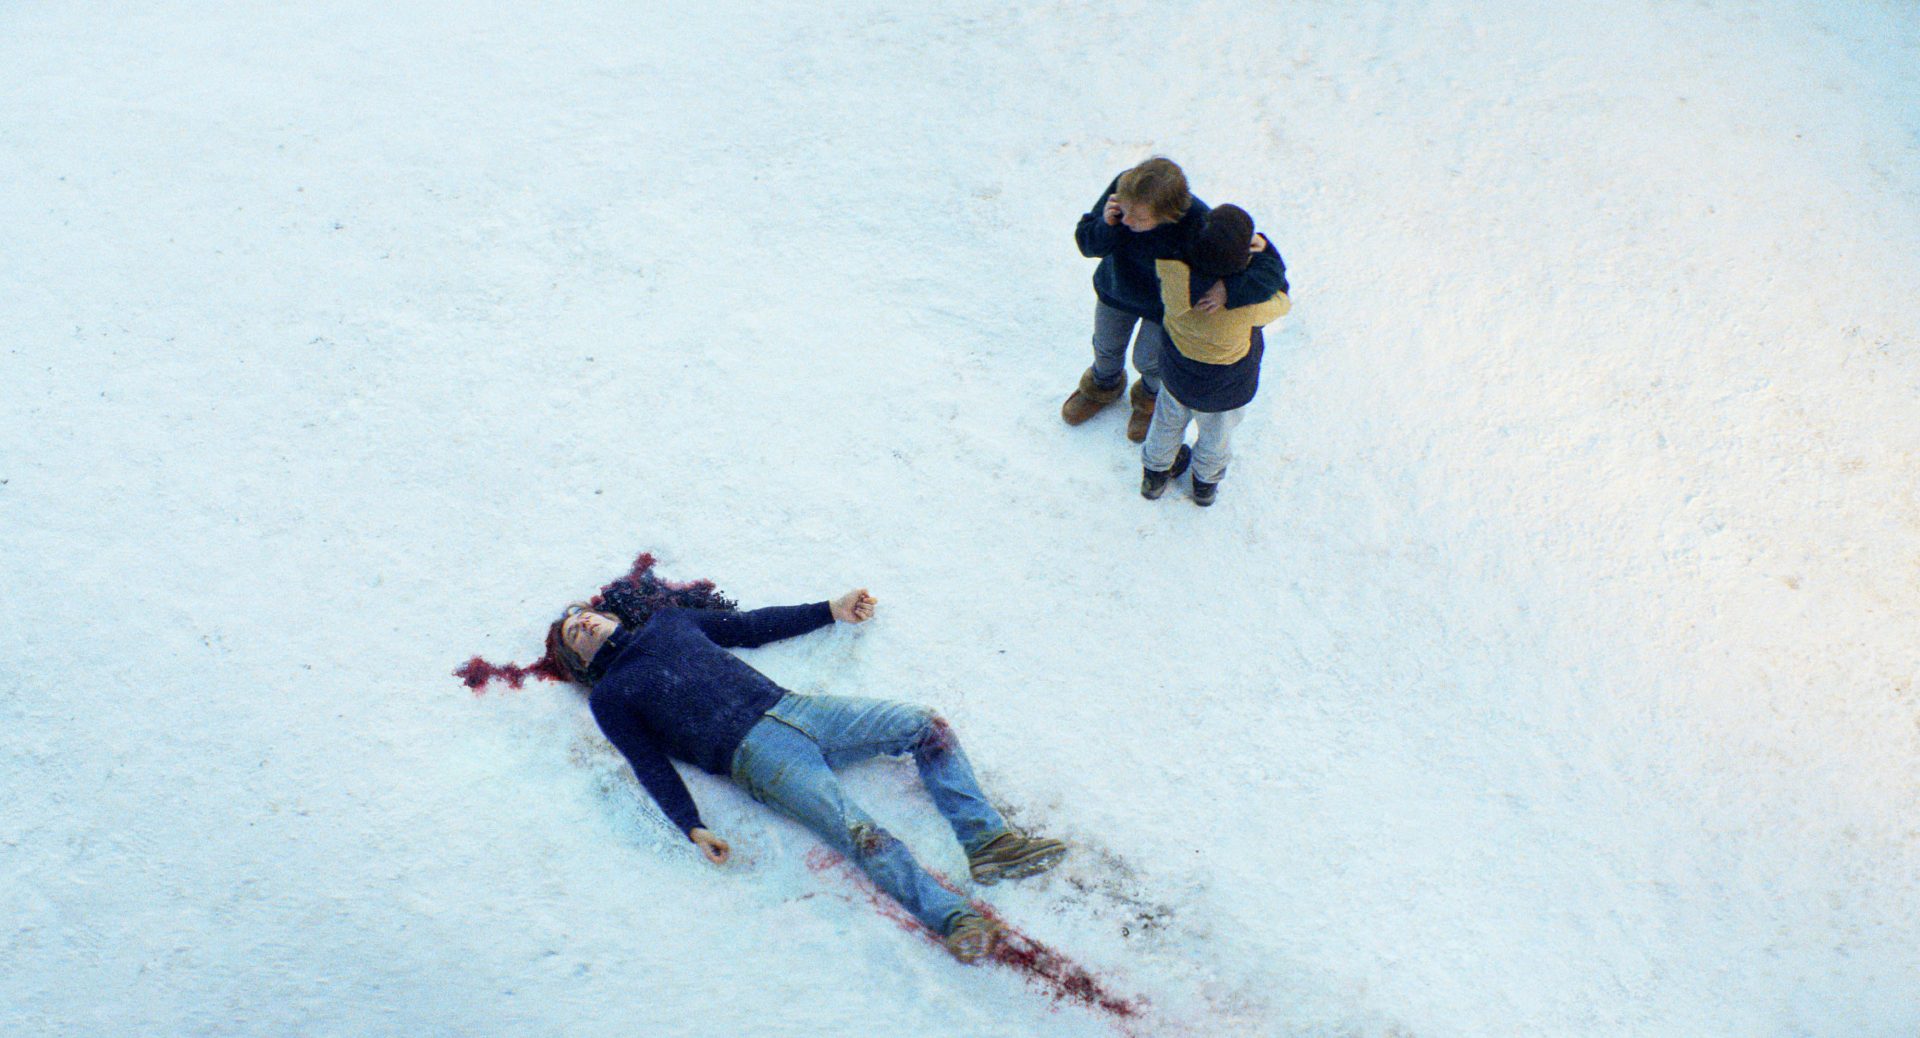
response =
{"points": [[787, 762], [1111, 330], [1211, 451]]}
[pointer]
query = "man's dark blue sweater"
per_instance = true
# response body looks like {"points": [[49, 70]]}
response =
{"points": [[670, 689], [1125, 279]]}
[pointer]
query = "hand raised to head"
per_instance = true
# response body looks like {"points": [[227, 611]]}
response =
{"points": [[854, 607]]}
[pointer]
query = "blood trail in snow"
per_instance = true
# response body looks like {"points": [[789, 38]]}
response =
{"points": [[1043, 967], [1058, 975], [478, 673]]}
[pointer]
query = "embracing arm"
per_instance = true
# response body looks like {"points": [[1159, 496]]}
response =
{"points": [[1266, 275], [650, 764], [1266, 311], [1176, 295]]}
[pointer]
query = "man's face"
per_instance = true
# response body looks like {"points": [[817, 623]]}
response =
{"points": [[585, 632], [1138, 217]]}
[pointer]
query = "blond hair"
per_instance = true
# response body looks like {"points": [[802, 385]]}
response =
{"points": [[1160, 184]]}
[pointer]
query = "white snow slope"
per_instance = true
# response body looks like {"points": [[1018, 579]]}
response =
{"points": [[1547, 667]]}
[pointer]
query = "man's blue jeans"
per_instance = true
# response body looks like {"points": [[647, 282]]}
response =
{"points": [[787, 762]]}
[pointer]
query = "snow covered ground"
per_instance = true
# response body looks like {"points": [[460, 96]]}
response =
{"points": [[1548, 666]]}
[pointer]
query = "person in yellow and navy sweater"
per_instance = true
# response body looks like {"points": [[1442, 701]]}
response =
{"points": [[1213, 370]]}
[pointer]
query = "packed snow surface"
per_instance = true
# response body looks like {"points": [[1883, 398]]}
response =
{"points": [[1547, 667]]}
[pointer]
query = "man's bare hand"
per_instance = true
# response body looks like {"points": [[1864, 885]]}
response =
{"points": [[854, 607], [1215, 298], [712, 847], [1112, 214], [1259, 243]]}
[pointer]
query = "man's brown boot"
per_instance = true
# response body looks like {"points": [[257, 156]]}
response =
{"points": [[1013, 856], [1088, 400], [1142, 400], [971, 937]]}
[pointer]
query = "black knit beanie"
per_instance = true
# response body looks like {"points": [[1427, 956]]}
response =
{"points": [[1220, 248]]}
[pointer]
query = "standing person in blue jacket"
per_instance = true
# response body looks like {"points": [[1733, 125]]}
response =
{"points": [[663, 685], [1146, 214]]}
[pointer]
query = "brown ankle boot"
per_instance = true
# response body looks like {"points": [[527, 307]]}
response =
{"points": [[972, 937], [1088, 400], [1142, 400], [1012, 855]]}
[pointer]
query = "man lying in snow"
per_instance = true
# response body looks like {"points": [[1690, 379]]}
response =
{"points": [[663, 685]]}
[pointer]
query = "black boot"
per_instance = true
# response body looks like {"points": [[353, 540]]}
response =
{"points": [[1153, 484], [1203, 492]]}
